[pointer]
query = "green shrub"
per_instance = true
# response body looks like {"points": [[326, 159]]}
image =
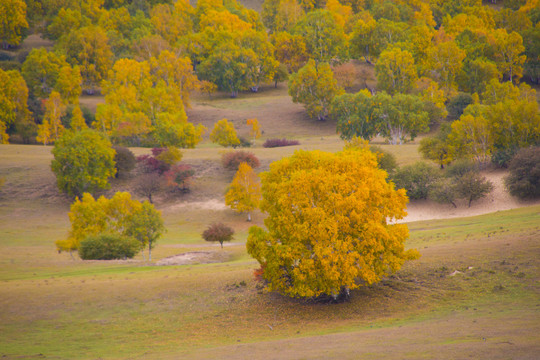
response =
{"points": [[108, 247], [124, 159], [387, 161], [460, 167], [524, 178], [417, 179]]}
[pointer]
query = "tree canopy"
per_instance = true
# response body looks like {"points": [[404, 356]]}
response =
{"points": [[335, 235]]}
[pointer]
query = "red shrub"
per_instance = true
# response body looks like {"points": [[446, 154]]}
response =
{"points": [[232, 160], [271, 143]]}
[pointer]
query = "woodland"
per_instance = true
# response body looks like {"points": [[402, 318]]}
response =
{"points": [[218, 178]]}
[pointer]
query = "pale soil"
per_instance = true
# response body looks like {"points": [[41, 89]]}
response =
{"points": [[194, 257], [499, 199]]}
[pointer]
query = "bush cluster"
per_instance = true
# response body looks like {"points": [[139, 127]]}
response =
{"points": [[524, 178], [124, 160], [232, 160], [272, 143], [108, 247], [417, 179]]}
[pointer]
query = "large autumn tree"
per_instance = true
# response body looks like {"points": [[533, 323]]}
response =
{"points": [[338, 233]]}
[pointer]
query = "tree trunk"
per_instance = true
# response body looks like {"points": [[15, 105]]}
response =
{"points": [[149, 252], [249, 217]]}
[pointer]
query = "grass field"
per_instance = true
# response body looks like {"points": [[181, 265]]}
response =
{"points": [[58, 307]]}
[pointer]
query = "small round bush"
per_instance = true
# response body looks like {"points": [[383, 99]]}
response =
{"points": [[524, 178], [218, 232], [108, 247], [417, 179], [232, 160], [124, 160]]}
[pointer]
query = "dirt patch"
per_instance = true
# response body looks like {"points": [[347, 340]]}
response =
{"points": [[194, 257], [499, 199]]}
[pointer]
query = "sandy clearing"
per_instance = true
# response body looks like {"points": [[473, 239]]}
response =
{"points": [[499, 199]]}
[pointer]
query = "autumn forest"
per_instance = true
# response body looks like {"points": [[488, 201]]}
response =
{"points": [[263, 179]]}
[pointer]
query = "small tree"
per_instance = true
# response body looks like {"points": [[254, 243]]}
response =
{"points": [[148, 184], [218, 232], [244, 193], [524, 178], [255, 131], [444, 191], [224, 134], [472, 186], [83, 162], [146, 226], [178, 177]]}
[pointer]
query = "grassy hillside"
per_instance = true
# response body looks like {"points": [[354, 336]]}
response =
{"points": [[59, 307]]}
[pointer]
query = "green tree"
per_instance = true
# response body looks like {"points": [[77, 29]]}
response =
{"points": [[325, 40], [355, 115], [395, 70], [437, 148], [335, 235], [244, 192], [83, 162], [224, 134], [146, 225], [12, 22], [41, 70], [472, 186], [88, 47], [401, 117], [314, 86]]}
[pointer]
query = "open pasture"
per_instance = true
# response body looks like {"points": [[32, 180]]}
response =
{"points": [[57, 307]]}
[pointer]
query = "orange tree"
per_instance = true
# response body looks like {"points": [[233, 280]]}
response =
{"points": [[330, 224]]}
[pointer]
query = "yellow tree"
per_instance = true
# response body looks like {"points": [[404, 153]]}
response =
{"points": [[290, 50], [69, 83], [13, 103], [471, 137], [172, 22], [508, 49], [51, 128], [338, 233], [244, 193], [89, 48], [395, 70], [77, 119], [12, 22], [224, 134], [444, 61], [255, 130]]}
